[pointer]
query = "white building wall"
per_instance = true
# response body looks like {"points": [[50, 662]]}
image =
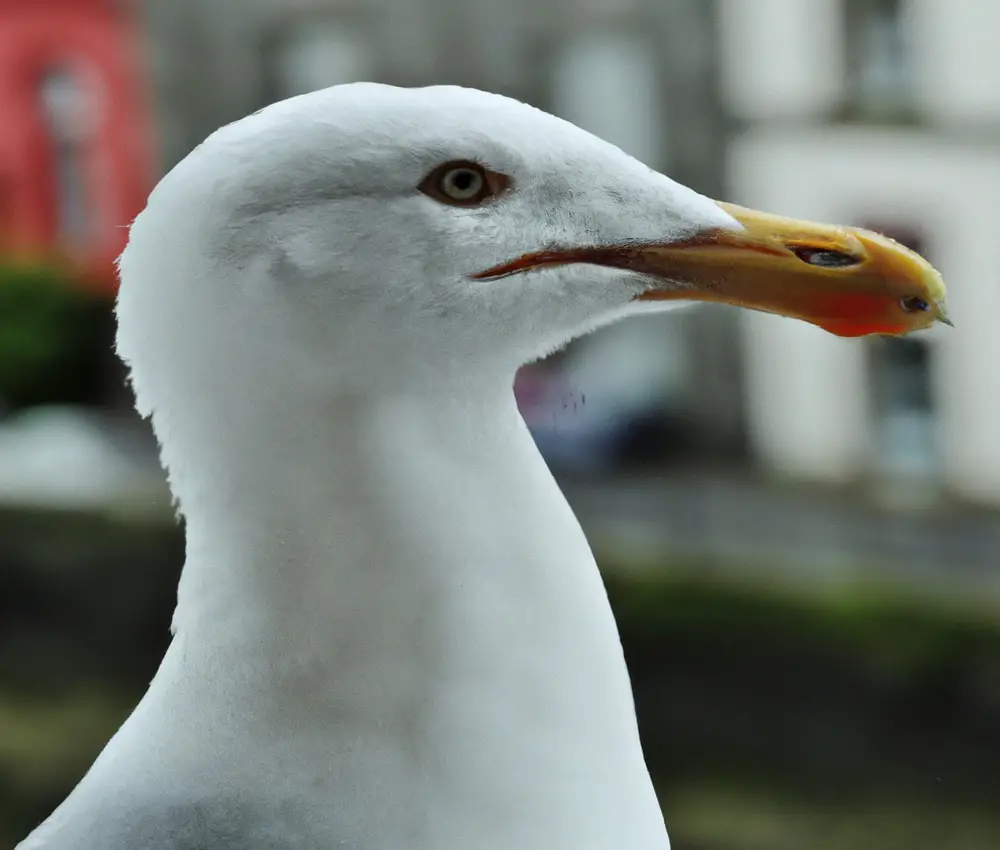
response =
{"points": [[956, 46], [787, 59], [807, 412]]}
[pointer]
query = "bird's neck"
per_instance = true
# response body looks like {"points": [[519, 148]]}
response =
{"points": [[398, 583]]}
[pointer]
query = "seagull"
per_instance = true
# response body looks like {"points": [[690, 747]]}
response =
{"points": [[390, 631]]}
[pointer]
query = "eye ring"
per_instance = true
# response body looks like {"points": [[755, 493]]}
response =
{"points": [[464, 183], [913, 304]]}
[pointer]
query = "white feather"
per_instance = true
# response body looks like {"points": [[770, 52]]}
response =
{"points": [[390, 630]]}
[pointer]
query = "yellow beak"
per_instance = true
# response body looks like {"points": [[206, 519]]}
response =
{"points": [[849, 281]]}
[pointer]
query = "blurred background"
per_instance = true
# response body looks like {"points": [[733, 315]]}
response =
{"points": [[799, 533]]}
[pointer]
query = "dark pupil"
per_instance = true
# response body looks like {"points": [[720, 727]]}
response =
{"points": [[463, 180], [827, 259], [912, 304]]}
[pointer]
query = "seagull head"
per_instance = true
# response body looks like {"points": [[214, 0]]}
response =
{"points": [[366, 235]]}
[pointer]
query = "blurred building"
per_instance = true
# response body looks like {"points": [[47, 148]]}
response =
{"points": [[74, 144], [881, 113], [875, 112]]}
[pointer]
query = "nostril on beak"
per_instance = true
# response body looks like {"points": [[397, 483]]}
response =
{"points": [[824, 257]]}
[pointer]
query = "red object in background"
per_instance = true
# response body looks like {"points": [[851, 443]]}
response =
{"points": [[75, 158]]}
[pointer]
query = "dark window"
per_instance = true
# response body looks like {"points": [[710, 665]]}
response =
{"points": [[904, 409], [68, 114], [880, 70]]}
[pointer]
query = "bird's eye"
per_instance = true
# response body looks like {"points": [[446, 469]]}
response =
{"points": [[913, 304], [464, 184]]}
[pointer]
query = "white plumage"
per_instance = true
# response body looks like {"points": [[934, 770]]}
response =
{"points": [[390, 632]]}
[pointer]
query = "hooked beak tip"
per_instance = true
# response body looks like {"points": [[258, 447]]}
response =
{"points": [[941, 310]]}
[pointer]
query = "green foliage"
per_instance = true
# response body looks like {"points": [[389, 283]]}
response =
{"points": [[53, 335], [46, 745], [904, 632], [873, 687], [703, 816]]}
